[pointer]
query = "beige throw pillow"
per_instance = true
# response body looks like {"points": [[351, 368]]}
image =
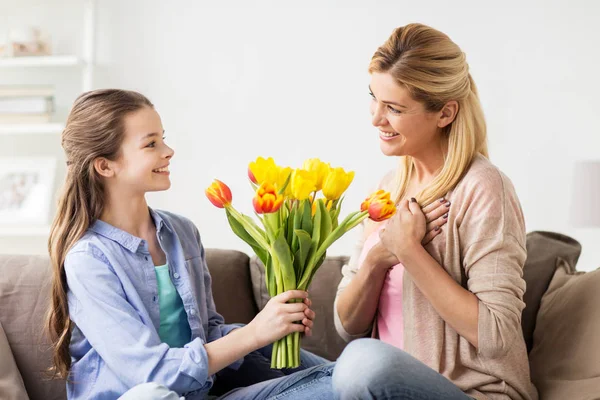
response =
{"points": [[11, 383], [565, 359]]}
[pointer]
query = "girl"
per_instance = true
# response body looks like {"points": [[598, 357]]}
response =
{"points": [[132, 307], [448, 313]]}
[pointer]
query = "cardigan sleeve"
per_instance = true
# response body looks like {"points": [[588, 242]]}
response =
{"points": [[493, 256]]}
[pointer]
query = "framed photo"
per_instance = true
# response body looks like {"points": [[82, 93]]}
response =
{"points": [[26, 190]]}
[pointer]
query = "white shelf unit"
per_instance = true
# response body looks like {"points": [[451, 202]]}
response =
{"points": [[85, 63], [18, 129], [23, 231], [40, 61]]}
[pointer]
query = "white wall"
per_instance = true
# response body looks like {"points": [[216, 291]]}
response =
{"points": [[232, 83]]}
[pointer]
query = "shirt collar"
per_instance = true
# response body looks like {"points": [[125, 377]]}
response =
{"points": [[125, 239]]}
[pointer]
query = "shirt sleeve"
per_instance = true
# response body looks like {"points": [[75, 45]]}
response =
{"points": [[493, 260], [99, 307]]}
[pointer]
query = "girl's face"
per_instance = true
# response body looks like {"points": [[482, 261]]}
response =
{"points": [[405, 127], [143, 164]]}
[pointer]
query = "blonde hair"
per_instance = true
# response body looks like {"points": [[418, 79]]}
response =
{"points": [[434, 71], [95, 128]]}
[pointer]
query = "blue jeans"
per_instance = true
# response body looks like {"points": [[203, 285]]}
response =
{"points": [[372, 369], [256, 380]]}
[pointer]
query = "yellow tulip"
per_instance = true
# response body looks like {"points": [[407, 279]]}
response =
{"points": [[321, 168], [284, 173], [336, 183], [303, 183], [263, 170]]}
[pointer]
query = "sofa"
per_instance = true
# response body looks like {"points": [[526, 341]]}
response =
{"points": [[561, 321]]}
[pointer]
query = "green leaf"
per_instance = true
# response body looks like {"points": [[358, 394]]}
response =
{"points": [[301, 255], [335, 212], [270, 277], [241, 232], [316, 222], [307, 224], [290, 223], [305, 243], [297, 225], [281, 251], [325, 222]]}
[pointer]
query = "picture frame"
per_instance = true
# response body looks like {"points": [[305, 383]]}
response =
{"points": [[26, 190]]}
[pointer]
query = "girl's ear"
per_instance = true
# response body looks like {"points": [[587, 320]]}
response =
{"points": [[448, 114], [103, 167]]}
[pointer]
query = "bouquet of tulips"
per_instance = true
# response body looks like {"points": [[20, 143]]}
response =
{"points": [[297, 225]]}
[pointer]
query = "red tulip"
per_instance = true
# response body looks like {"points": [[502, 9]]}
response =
{"points": [[379, 205], [219, 194]]}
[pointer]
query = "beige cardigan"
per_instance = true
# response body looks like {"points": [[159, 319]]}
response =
{"points": [[483, 248]]}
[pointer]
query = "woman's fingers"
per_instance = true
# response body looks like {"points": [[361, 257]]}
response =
{"points": [[430, 235], [436, 224], [430, 207], [436, 209]]}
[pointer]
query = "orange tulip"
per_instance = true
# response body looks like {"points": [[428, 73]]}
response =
{"points": [[267, 200], [379, 205], [219, 194]]}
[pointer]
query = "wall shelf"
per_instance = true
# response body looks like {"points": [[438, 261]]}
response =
{"points": [[20, 129], [40, 61], [24, 230]]}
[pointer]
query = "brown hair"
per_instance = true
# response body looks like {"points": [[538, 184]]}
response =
{"points": [[95, 128], [434, 70]]}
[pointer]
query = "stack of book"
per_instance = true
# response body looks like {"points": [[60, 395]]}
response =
{"points": [[26, 104]]}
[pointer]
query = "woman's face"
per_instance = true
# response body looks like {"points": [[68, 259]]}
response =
{"points": [[405, 127]]}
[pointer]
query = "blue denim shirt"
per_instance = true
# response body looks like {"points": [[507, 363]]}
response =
{"points": [[113, 302]]}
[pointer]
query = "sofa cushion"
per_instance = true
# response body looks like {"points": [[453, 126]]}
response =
{"points": [[24, 296], [543, 251], [11, 383], [231, 285], [565, 359], [325, 340]]}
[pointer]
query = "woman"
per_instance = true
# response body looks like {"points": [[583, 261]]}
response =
{"points": [[447, 313]]}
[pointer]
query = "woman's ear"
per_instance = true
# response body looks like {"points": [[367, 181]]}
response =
{"points": [[103, 167], [448, 114]]}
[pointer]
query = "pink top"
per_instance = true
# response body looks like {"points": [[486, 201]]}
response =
{"points": [[390, 324]]}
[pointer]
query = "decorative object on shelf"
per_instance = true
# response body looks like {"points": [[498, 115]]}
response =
{"points": [[26, 41], [26, 104], [26, 187]]}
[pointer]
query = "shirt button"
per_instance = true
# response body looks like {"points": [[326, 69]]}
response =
{"points": [[176, 275], [146, 258], [192, 311], [154, 299]]}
